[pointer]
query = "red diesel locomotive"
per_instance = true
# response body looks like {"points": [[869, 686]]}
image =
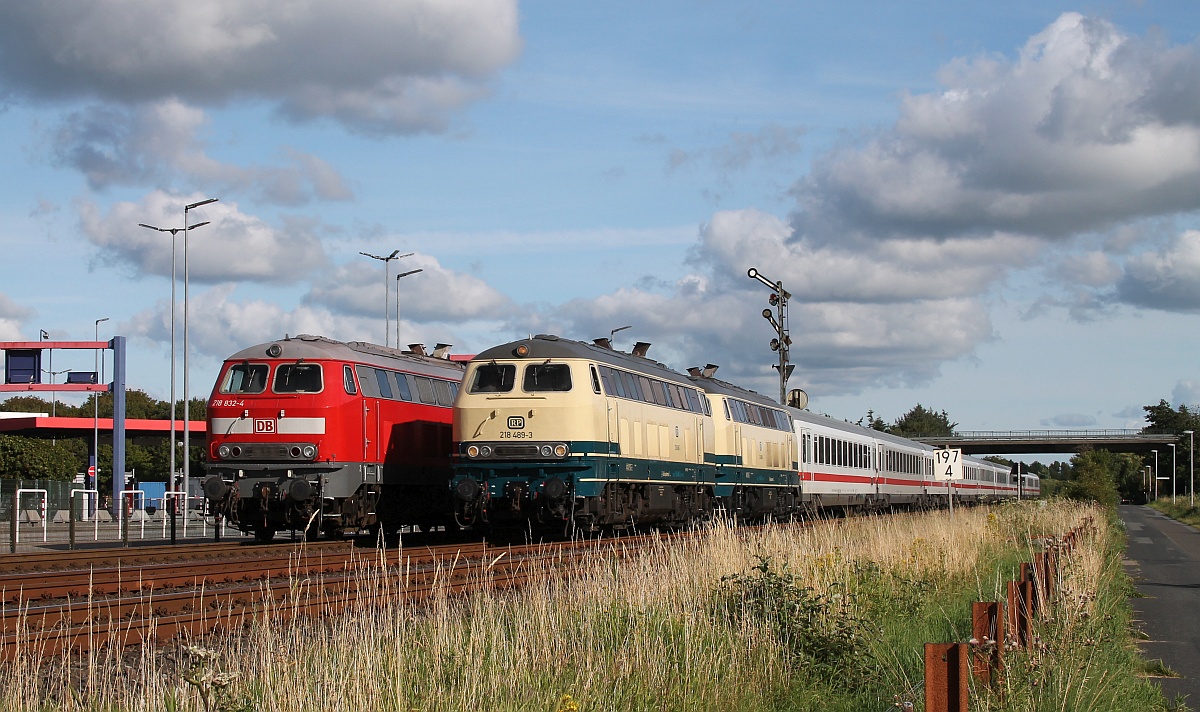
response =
{"points": [[315, 435]]}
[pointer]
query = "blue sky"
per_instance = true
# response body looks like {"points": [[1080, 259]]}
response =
{"points": [[986, 208]]}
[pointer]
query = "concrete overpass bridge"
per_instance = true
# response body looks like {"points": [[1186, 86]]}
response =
{"points": [[1014, 442]]}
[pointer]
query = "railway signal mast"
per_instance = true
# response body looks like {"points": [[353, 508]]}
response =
{"points": [[783, 342]]}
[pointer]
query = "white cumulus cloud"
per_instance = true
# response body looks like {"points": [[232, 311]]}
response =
{"points": [[233, 246]]}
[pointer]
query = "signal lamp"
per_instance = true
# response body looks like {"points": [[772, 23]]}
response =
{"points": [[522, 350]]}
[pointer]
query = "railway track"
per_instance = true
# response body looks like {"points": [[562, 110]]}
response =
{"points": [[46, 561], [108, 599]]}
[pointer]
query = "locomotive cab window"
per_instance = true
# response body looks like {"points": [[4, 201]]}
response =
{"points": [[245, 378], [547, 377], [348, 380], [494, 378], [297, 378]]}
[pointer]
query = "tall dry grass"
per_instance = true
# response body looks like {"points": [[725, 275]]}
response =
{"points": [[783, 617]]}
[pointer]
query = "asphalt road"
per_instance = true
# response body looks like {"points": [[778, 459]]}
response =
{"points": [[1163, 557]]}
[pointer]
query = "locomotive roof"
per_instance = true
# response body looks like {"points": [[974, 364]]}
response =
{"points": [[309, 346], [548, 346], [724, 388]]}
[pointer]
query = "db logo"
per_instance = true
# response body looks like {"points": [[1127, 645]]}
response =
{"points": [[264, 425], [516, 422]]}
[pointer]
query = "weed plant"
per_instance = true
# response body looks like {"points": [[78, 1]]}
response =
{"points": [[828, 617]]}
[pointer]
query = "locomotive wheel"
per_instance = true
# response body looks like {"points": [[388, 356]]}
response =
{"points": [[264, 534]]}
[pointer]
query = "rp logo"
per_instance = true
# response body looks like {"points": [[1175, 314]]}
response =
{"points": [[516, 422]]}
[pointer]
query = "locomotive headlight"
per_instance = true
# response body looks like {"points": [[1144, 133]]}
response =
{"points": [[485, 450], [546, 451], [310, 452], [223, 452], [472, 451], [560, 450], [235, 451]]}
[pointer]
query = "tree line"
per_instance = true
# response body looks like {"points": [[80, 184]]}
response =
{"points": [[40, 458]]}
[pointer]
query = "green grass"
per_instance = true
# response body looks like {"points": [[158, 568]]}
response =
{"points": [[1180, 510], [832, 617]]}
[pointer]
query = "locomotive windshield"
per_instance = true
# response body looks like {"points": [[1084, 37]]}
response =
{"points": [[297, 378], [494, 378], [245, 378], [547, 377]]}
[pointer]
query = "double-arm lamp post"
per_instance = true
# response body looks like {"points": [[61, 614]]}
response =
{"points": [[387, 322], [174, 231]]}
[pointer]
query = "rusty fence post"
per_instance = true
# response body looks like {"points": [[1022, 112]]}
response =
{"points": [[987, 631], [1051, 574], [946, 672], [1029, 580], [1019, 616], [1041, 581]]}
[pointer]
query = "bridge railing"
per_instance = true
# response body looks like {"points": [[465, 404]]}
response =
{"points": [[1091, 434]]}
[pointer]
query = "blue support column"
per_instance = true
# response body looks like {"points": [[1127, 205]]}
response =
{"points": [[117, 388]]}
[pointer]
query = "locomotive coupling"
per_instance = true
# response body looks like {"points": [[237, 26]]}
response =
{"points": [[215, 489], [467, 489]]}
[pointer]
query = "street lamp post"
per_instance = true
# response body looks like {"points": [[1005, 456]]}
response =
{"points": [[613, 333], [174, 280], [387, 337], [1174, 472], [1191, 467], [1155, 474], [187, 419], [402, 274], [778, 299]]}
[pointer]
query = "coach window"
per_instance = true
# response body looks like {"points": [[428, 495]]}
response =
{"points": [[541, 377], [403, 387], [425, 390], [297, 378], [366, 381], [385, 383], [659, 389], [348, 379], [595, 379], [245, 378], [493, 378], [633, 389], [441, 389]]}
